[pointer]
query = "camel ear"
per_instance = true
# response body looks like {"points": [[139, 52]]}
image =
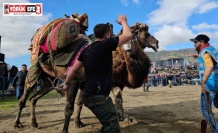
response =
{"points": [[145, 26], [136, 26], [110, 25]]}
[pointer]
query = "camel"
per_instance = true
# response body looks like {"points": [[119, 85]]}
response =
{"points": [[48, 70]]}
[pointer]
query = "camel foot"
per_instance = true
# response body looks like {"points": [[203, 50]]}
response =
{"points": [[64, 131], [128, 119], [17, 125], [34, 124], [121, 119], [78, 123]]}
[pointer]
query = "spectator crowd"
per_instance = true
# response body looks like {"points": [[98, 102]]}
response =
{"points": [[187, 75]]}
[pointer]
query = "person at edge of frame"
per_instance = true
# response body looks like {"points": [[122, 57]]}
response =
{"points": [[208, 71]]}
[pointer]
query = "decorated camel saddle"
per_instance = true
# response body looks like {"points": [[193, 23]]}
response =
{"points": [[57, 43], [57, 34]]}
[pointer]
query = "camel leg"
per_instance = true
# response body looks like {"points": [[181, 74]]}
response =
{"points": [[69, 108], [21, 104], [79, 104], [33, 100], [119, 102]]}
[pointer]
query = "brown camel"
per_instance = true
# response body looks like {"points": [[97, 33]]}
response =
{"points": [[45, 68]]}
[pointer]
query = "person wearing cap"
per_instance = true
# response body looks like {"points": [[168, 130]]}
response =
{"points": [[97, 62], [208, 71], [19, 81]]}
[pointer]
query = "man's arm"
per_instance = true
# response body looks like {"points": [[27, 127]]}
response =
{"points": [[15, 80], [193, 55], [74, 72], [127, 34], [207, 72]]}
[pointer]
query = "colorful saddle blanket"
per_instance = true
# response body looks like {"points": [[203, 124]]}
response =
{"points": [[55, 35]]}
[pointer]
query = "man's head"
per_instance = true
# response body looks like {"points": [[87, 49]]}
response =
{"points": [[102, 31], [24, 67], [200, 40]]}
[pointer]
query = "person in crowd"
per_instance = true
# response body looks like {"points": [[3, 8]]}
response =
{"points": [[159, 80], [170, 78], [146, 85], [19, 81], [188, 76]]}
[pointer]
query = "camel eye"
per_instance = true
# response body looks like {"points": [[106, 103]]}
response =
{"points": [[147, 34]]}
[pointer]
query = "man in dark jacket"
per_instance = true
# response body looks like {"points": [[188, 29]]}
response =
{"points": [[19, 81]]}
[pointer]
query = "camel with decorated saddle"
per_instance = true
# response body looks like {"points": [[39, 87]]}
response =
{"points": [[56, 46]]}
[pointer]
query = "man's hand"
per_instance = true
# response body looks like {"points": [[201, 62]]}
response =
{"points": [[121, 19], [203, 87], [193, 55], [64, 86]]}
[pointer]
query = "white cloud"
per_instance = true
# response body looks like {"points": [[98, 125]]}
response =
{"points": [[17, 32], [170, 21], [136, 1], [124, 2], [207, 7], [205, 26], [169, 35], [173, 12]]}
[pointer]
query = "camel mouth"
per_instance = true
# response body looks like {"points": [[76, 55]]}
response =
{"points": [[154, 47]]}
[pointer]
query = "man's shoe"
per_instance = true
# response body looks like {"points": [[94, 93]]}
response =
{"points": [[203, 126]]}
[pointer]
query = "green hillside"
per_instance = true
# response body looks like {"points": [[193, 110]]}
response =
{"points": [[181, 53]]}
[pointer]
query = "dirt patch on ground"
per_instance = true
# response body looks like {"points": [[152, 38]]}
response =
{"points": [[162, 110]]}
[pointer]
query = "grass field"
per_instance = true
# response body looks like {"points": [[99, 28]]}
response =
{"points": [[11, 101]]}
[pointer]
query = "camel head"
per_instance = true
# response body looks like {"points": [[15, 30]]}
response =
{"points": [[145, 39]]}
